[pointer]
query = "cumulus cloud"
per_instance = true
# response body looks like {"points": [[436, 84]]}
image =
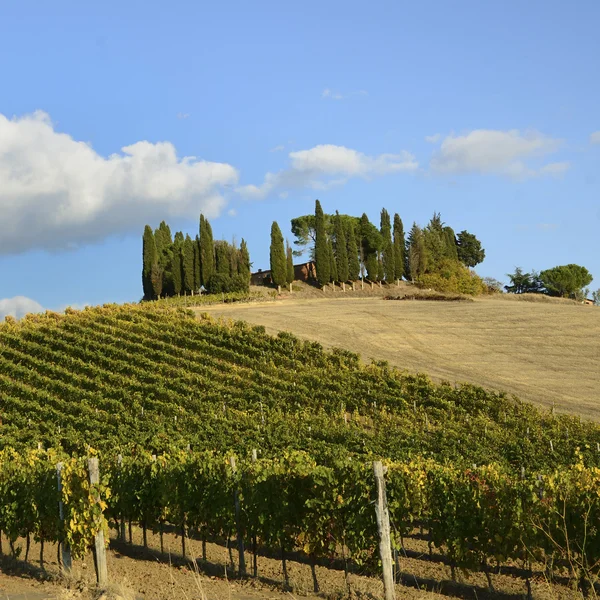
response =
{"points": [[18, 307], [325, 166], [56, 192], [497, 152], [595, 137]]}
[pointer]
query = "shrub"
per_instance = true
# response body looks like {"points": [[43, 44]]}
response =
{"points": [[220, 283], [452, 276]]}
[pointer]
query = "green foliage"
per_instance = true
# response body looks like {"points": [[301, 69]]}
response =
{"points": [[304, 230], [149, 258], [221, 283], [197, 267], [371, 243], [567, 281], [189, 278], [470, 252], [399, 248], [244, 264], [176, 265], [332, 262], [388, 251], [289, 261], [417, 253], [341, 248], [453, 276], [524, 283], [207, 251], [156, 278], [596, 297], [322, 256], [353, 260], [277, 256]]}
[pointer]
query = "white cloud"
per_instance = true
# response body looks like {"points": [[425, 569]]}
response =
{"points": [[328, 165], [333, 95], [182, 115], [497, 152], [18, 307], [232, 212], [433, 139], [595, 137], [56, 192], [279, 148]]}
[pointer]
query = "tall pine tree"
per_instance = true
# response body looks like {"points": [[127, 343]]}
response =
{"points": [[149, 258], [289, 258], [353, 262], [197, 277], [388, 259], [322, 259], [176, 263], [188, 264], [244, 264], [371, 242], [341, 250], [399, 247], [417, 253], [277, 255], [207, 252], [333, 274]]}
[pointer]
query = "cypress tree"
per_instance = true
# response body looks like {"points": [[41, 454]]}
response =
{"points": [[149, 258], [322, 259], [333, 274], [399, 247], [370, 245], [207, 252], [222, 258], [353, 262], [417, 252], [244, 264], [341, 250], [188, 264], [156, 276], [176, 266], [388, 262], [450, 239], [289, 256], [277, 255], [196, 249]]}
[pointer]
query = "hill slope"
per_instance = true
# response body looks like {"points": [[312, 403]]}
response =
{"points": [[159, 377], [546, 353]]}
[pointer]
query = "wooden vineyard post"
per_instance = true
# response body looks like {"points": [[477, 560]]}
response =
{"points": [[291, 290], [343, 287], [65, 551], [240, 537], [254, 550], [353, 286], [279, 290], [122, 524], [383, 526], [99, 545]]}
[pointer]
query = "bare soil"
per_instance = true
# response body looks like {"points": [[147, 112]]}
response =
{"points": [[137, 573], [545, 352]]}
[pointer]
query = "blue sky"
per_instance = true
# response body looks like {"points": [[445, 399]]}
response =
{"points": [[484, 111]]}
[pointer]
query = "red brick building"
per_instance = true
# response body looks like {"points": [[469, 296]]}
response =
{"points": [[302, 272]]}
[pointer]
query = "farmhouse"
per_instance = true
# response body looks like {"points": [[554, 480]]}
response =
{"points": [[302, 272]]}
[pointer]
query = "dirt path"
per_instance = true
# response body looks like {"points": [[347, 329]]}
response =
{"points": [[545, 353]]}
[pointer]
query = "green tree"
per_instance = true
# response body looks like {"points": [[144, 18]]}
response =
{"points": [[244, 264], [149, 258], [277, 255], [207, 251], [469, 249], [450, 242], [322, 259], [523, 283], [388, 259], [370, 243], [189, 282], [341, 249], [197, 269], [156, 276], [353, 261], [223, 252], [333, 274], [304, 230], [596, 297], [567, 281], [289, 256], [176, 266], [399, 247], [417, 253]]}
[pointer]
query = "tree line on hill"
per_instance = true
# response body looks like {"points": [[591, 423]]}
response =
{"points": [[172, 266], [348, 248], [566, 281]]}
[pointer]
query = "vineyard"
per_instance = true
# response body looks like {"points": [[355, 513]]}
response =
{"points": [[167, 401]]}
